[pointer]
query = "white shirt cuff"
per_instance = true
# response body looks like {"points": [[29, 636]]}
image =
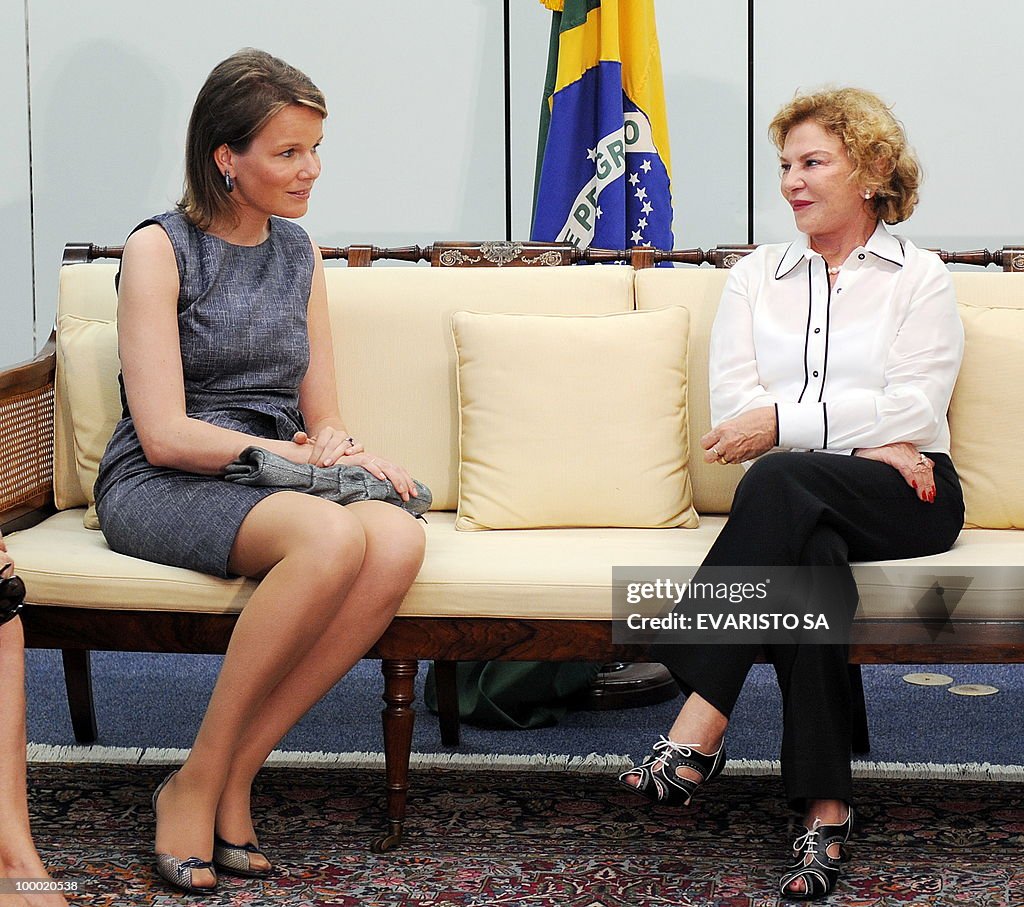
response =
{"points": [[802, 425]]}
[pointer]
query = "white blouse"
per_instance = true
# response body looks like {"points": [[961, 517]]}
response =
{"points": [[868, 361]]}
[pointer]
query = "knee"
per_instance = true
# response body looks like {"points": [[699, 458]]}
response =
{"points": [[334, 545], [395, 547], [772, 468], [775, 474], [405, 545]]}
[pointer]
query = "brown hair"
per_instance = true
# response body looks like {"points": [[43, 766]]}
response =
{"points": [[238, 97], [883, 160]]}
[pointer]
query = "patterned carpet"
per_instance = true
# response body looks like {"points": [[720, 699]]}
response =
{"points": [[539, 839]]}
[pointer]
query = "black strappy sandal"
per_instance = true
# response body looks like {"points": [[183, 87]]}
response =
{"points": [[821, 872], [658, 780]]}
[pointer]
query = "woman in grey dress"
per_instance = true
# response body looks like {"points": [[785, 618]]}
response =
{"points": [[225, 342]]}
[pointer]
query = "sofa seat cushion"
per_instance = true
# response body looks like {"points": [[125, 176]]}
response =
{"points": [[539, 573], [64, 563]]}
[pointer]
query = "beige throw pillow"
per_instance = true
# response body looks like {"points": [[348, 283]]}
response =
{"points": [[89, 363], [986, 417], [573, 420]]}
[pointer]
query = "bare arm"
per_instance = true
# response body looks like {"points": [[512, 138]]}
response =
{"points": [[150, 352]]}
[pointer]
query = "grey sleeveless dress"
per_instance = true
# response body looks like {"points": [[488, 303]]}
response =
{"points": [[244, 352]]}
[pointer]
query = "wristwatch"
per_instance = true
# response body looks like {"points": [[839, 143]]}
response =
{"points": [[12, 598]]}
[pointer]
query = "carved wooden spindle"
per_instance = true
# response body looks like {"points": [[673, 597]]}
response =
{"points": [[980, 257], [681, 256], [400, 253], [595, 256]]}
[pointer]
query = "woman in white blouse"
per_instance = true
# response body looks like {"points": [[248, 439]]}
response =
{"points": [[835, 353]]}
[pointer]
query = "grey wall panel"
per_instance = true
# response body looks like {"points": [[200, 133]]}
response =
{"points": [[529, 32], [704, 59], [16, 300], [414, 145], [948, 69]]}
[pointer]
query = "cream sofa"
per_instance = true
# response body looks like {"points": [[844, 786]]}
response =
{"points": [[513, 593]]}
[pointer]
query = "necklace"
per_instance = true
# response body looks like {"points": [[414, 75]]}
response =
{"points": [[833, 270]]}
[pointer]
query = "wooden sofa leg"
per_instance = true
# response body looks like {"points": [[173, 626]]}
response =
{"points": [[860, 742], [78, 682], [398, 717], [447, 701]]}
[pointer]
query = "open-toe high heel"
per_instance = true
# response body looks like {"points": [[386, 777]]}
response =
{"points": [[179, 872], [657, 777], [813, 863], [235, 859]]}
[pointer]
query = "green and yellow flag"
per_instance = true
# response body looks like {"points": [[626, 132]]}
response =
{"points": [[603, 169]]}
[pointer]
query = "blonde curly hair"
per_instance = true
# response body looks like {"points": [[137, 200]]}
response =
{"points": [[882, 158]]}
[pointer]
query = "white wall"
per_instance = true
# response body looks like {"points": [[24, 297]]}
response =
{"points": [[414, 147]]}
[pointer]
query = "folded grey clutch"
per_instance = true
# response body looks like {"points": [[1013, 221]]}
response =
{"points": [[342, 484]]}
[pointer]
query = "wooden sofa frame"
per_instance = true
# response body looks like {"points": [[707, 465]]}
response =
{"points": [[26, 498]]}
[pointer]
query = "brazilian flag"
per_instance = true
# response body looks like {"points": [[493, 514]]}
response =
{"points": [[603, 169]]}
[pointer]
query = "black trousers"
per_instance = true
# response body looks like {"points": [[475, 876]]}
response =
{"points": [[815, 509]]}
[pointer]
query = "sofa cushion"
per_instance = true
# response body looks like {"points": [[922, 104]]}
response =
{"points": [[698, 290], [86, 292], [573, 420], [87, 367], [986, 417]]}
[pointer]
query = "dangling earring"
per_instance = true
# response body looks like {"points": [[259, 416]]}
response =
{"points": [[867, 193], [229, 183]]}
